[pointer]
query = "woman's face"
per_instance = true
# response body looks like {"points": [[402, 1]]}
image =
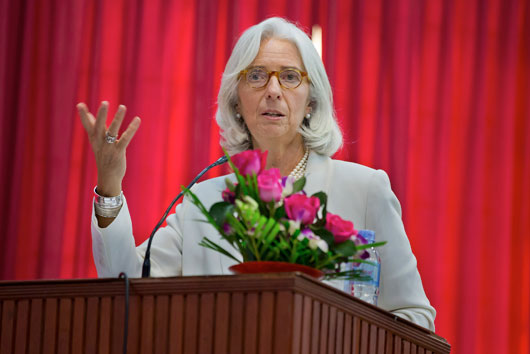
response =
{"points": [[273, 113]]}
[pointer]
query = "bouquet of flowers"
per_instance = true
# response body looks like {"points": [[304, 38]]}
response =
{"points": [[269, 218]]}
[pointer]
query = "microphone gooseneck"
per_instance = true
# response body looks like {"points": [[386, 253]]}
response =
{"points": [[146, 268]]}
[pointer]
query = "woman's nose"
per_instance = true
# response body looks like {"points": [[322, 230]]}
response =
{"points": [[273, 89]]}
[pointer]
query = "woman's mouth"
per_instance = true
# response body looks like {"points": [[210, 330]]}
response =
{"points": [[273, 115]]}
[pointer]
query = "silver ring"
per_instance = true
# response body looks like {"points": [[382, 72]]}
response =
{"points": [[109, 138]]}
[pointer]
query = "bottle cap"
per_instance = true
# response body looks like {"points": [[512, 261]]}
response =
{"points": [[368, 235]]}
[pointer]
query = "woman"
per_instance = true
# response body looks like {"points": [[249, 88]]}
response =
{"points": [[274, 96]]}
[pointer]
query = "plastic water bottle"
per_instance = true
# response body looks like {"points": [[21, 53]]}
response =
{"points": [[367, 290]]}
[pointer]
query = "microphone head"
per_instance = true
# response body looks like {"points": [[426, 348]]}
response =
{"points": [[223, 159]]}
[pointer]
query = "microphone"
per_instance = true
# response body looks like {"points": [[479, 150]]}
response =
{"points": [[146, 268]]}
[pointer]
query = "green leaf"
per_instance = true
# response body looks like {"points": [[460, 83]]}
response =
{"points": [[353, 274], [280, 213], [322, 197], [325, 235], [259, 227], [202, 208], [321, 223], [206, 242], [219, 210], [230, 185], [270, 223], [249, 256], [356, 260], [299, 184], [252, 183], [269, 239], [238, 191], [305, 242], [369, 245], [242, 183], [346, 248], [323, 204], [296, 234], [230, 162], [236, 224]]}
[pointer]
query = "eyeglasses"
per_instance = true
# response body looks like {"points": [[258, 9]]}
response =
{"points": [[259, 77]]}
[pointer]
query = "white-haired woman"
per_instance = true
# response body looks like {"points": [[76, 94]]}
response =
{"points": [[274, 96]]}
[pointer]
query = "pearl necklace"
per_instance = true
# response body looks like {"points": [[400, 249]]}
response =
{"points": [[299, 170]]}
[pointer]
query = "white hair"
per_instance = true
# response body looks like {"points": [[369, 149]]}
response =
{"points": [[321, 132]]}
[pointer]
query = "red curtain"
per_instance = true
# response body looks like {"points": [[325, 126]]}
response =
{"points": [[434, 92]]}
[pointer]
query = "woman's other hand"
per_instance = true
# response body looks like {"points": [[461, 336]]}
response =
{"points": [[108, 149]]}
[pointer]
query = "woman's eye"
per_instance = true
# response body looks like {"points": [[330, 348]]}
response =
{"points": [[290, 76], [255, 75]]}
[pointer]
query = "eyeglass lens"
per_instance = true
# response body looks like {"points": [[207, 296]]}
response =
{"points": [[288, 78]]}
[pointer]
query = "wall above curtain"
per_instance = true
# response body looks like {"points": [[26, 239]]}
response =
{"points": [[434, 92]]}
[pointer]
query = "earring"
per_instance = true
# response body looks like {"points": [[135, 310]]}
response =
{"points": [[308, 115], [238, 116]]}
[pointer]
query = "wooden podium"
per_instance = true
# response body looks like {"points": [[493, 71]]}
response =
{"points": [[264, 313]]}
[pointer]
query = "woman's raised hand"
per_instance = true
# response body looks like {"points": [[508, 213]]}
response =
{"points": [[108, 149]]}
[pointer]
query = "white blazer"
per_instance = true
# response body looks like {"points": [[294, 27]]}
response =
{"points": [[355, 192]]}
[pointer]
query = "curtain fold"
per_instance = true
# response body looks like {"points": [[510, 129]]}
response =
{"points": [[434, 92]]}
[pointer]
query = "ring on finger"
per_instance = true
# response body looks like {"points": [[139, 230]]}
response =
{"points": [[110, 139]]}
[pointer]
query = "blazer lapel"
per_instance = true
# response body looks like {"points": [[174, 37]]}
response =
{"points": [[318, 173]]}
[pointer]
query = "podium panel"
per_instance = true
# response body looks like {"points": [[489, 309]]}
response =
{"points": [[259, 313]]}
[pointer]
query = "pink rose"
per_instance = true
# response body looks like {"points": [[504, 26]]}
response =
{"points": [[250, 161], [269, 185], [302, 208], [341, 229]]}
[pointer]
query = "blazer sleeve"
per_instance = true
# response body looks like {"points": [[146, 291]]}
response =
{"points": [[114, 248], [401, 290]]}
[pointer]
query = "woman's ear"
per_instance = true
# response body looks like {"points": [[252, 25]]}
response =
{"points": [[308, 113], [238, 114], [310, 107]]}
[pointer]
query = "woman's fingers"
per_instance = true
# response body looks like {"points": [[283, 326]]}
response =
{"points": [[96, 127], [128, 134], [114, 127], [87, 119], [101, 119]]}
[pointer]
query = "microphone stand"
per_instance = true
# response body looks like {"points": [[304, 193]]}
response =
{"points": [[146, 267]]}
